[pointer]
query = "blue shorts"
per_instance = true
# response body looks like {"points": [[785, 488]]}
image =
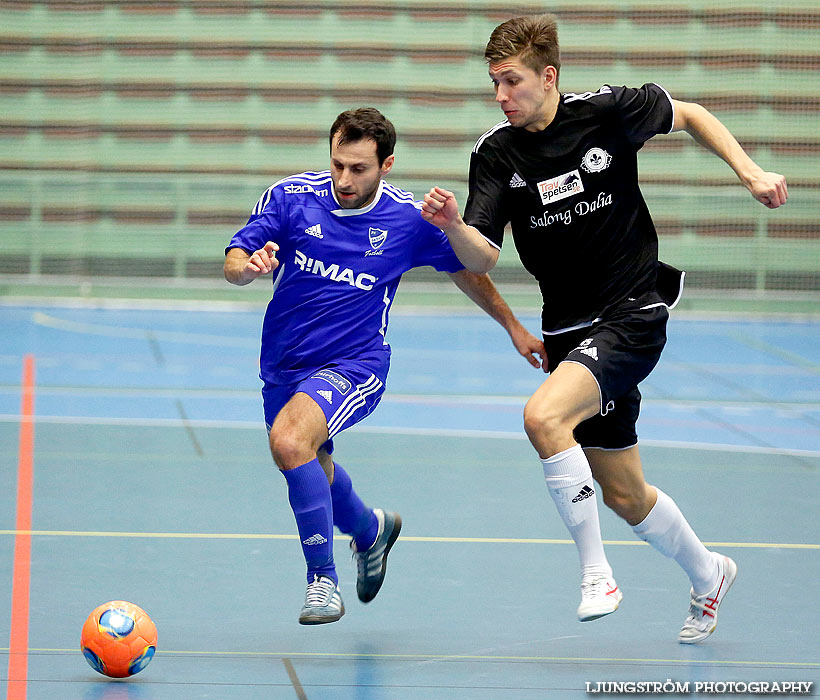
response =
{"points": [[347, 392]]}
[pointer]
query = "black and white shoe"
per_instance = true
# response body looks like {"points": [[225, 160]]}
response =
{"points": [[372, 563]]}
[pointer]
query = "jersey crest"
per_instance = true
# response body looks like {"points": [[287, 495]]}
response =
{"points": [[595, 160], [377, 237]]}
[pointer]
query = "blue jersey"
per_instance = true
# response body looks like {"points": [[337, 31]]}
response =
{"points": [[338, 271]]}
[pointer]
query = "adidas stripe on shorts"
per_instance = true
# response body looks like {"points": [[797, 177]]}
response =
{"points": [[620, 352], [347, 392]]}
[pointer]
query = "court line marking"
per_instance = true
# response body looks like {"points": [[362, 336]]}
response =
{"points": [[294, 679], [189, 428], [465, 657], [42, 319], [750, 436], [408, 538], [394, 430], [423, 399], [788, 356], [408, 287], [85, 328], [21, 567]]}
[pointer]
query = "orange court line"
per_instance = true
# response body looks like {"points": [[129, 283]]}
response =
{"points": [[21, 577]]}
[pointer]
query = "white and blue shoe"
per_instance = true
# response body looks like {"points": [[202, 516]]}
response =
{"points": [[323, 602]]}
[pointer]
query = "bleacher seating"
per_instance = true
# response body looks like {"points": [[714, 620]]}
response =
{"points": [[160, 122]]}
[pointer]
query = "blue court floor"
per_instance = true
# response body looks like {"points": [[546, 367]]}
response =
{"points": [[152, 483]]}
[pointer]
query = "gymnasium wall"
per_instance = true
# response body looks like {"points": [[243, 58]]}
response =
{"points": [[136, 136]]}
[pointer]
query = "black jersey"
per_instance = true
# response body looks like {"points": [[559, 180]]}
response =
{"points": [[571, 195]]}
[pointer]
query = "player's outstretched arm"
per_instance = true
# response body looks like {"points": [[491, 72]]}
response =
{"points": [[767, 188], [441, 209], [483, 292], [241, 268]]}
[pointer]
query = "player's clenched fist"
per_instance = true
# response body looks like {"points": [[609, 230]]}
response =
{"points": [[440, 208], [770, 189]]}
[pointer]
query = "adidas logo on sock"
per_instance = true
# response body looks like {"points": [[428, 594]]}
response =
{"points": [[590, 352], [315, 539], [517, 181], [584, 493], [326, 395]]}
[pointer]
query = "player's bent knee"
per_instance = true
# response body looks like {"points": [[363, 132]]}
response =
{"points": [[288, 450], [542, 421]]}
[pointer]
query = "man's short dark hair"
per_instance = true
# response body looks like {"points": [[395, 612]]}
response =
{"points": [[365, 123], [534, 38]]}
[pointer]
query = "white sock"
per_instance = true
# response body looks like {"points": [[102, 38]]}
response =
{"points": [[569, 481], [666, 530]]}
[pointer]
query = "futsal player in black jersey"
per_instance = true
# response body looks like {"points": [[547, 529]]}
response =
{"points": [[561, 169]]}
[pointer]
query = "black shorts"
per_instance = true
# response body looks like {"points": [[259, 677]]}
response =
{"points": [[620, 352]]}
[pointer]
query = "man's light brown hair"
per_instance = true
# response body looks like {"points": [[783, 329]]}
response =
{"points": [[532, 38]]}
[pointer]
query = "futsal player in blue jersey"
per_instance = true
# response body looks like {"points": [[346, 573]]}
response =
{"points": [[336, 243]]}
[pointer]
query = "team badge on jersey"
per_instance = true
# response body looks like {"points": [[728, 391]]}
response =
{"points": [[377, 237], [560, 187], [595, 160]]}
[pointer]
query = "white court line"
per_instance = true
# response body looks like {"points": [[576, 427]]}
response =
{"points": [[460, 433], [421, 399], [48, 321], [148, 393]]}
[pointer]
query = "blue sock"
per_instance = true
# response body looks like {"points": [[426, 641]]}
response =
{"points": [[309, 496], [350, 515]]}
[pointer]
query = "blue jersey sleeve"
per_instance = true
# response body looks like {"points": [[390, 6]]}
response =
{"points": [[434, 249], [264, 224]]}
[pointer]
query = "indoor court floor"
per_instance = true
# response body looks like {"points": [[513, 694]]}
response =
{"points": [[134, 466]]}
